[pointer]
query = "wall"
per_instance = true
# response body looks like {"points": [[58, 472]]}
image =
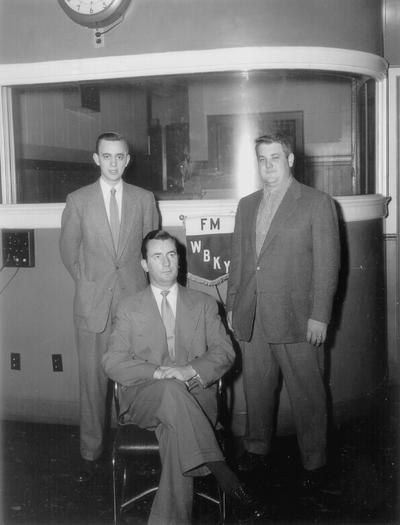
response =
{"points": [[36, 307], [39, 30], [392, 32], [36, 322]]}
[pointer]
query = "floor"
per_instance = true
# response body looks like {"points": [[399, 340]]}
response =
{"points": [[39, 460]]}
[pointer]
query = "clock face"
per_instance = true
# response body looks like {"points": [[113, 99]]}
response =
{"points": [[89, 7], [94, 13]]}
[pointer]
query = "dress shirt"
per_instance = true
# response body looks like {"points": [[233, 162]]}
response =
{"points": [[106, 191], [267, 209], [172, 297]]}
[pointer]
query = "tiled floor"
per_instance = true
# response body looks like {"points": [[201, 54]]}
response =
{"points": [[39, 461]]}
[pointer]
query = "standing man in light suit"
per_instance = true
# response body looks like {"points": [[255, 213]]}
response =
{"points": [[102, 228], [283, 277]]}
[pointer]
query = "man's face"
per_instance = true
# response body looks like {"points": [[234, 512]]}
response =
{"points": [[161, 263], [112, 158], [273, 164]]}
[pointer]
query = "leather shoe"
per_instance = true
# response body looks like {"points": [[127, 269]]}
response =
{"points": [[246, 506], [86, 472], [312, 480], [249, 462]]}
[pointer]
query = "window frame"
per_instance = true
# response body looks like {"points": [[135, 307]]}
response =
{"points": [[181, 62]]}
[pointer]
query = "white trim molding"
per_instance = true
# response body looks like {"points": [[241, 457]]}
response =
{"points": [[354, 208], [179, 62], [393, 147]]}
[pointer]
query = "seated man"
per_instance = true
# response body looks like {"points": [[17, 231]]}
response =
{"points": [[168, 353]]}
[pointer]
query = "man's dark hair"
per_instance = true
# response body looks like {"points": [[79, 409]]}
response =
{"points": [[279, 138], [111, 135], [158, 235]]}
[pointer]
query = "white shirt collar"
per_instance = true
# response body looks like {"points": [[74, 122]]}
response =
{"points": [[106, 187], [106, 191], [172, 296]]}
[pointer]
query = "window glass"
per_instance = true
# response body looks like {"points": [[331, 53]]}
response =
{"points": [[192, 136]]}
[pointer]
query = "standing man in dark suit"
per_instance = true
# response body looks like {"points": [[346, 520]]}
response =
{"points": [[102, 228], [168, 349], [283, 277]]}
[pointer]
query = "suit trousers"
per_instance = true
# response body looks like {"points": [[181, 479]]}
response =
{"points": [[187, 442], [302, 371], [93, 383]]}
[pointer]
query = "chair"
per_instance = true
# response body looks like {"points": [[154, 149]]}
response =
{"points": [[132, 442]]}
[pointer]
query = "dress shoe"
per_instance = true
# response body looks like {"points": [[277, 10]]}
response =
{"points": [[312, 480], [86, 472], [247, 507], [249, 462]]}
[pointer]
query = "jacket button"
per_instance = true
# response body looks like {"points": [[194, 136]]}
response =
{"points": [[258, 268]]}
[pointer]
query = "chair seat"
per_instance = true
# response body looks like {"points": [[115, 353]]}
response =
{"points": [[132, 439]]}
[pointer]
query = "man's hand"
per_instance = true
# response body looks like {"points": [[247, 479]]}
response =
{"points": [[182, 373], [316, 332]]}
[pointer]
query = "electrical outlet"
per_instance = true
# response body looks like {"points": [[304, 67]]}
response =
{"points": [[57, 362], [18, 248], [15, 360]]}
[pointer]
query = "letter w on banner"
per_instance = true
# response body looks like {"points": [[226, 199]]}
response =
{"points": [[208, 247]]}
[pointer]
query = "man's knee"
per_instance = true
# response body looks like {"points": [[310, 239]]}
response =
{"points": [[175, 398]]}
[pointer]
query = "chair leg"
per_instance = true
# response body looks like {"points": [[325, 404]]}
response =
{"points": [[119, 488], [222, 506], [115, 496]]}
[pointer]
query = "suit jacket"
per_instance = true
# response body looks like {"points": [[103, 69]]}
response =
{"points": [[88, 253], [138, 343], [295, 276]]}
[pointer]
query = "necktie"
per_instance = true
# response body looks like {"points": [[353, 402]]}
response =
{"points": [[169, 322], [114, 218]]}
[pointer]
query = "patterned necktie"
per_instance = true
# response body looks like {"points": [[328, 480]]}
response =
{"points": [[169, 322], [114, 218]]}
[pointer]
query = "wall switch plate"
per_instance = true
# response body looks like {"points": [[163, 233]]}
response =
{"points": [[15, 361], [57, 362], [18, 248]]}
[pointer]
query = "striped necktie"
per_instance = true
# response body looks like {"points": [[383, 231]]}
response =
{"points": [[169, 322]]}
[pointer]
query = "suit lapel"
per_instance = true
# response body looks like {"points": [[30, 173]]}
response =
{"points": [[253, 221], [187, 318], [128, 215], [149, 319], [100, 217], [284, 211]]}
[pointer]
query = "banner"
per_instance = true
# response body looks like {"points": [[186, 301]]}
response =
{"points": [[208, 247]]}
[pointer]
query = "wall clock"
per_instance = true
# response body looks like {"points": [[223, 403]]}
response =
{"points": [[94, 13]]}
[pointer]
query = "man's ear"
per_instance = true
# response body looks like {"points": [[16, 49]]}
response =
{"points": [[96, 159], [128, 158], [143, 262], [290, 160]]}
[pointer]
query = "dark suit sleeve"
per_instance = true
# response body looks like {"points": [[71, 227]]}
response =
{"points": [[70, 237], [119, 362], [326, 258], [236, 260], [219, 356]]}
